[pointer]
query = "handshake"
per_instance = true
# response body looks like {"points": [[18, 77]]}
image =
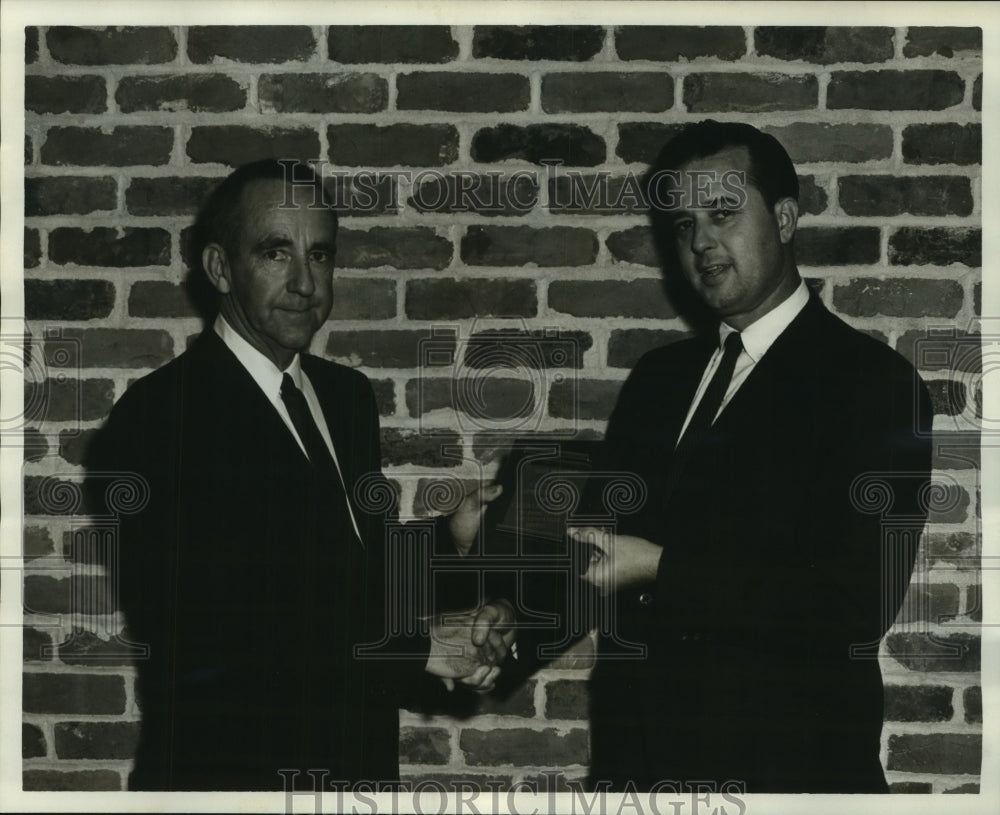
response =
{"points": [[469, 646]]}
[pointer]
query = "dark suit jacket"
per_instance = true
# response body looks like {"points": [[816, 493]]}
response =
{"points": [[248, 587], [771, 570]]}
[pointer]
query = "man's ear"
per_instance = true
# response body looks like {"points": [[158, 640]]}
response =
{"points": [[786, 212], [216, 266]]}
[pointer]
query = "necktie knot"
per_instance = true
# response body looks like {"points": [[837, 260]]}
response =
{"points": [[733, 344]]}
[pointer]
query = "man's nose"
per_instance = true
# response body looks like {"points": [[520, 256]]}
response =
{"points": [[702, 236], [300, 278]]}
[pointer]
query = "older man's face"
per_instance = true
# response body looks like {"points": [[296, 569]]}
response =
{"points": [[733, 256], [281, 270]]}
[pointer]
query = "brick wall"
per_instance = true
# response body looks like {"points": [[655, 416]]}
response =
{"points": [[128, 127]]}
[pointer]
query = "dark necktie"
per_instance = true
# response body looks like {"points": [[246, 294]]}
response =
{"points": [[709, 405], [305, 426]]}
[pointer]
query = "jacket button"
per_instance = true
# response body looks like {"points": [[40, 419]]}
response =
{"points": [[646, 598]]}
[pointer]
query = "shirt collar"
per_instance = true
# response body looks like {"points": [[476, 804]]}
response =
{"points": [[264, 372], [761, 334]]}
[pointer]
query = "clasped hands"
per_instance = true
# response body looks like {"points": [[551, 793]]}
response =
{"points": [[469, 646]]}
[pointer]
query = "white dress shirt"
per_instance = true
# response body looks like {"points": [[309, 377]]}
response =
{"points": [[757, 338], [268, 378]]}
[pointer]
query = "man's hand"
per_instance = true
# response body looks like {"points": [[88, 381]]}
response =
{"points": [[618, 561], [470, 646], [465, 521]]}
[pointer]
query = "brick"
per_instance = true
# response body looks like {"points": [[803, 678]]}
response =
{"points": [[523, 747], [72, 399], [522, 245], [73, 445], [60, 497], [96, 739], [934, 602], [34, 645], [398, 247], [572, 145], [934, 653], [516, 349], [385, 396], [569, 43], [462, 92], [837, 245], [69, 195], [894, 90], [597, 194], [936, 752], [959, 550], [824, 45], [387, 348], [583, 654], [107, 246], [34, 444], [925, 41], [120, 45], [44, 594], [572, 92], [977, 93], [65, 94], [29, 150], [627, 345], [812, 197], [814, 141], [32, 248], [249, 43], [168, 195], [71, 781], [949, 505], [674, 42], [30, 44], [322, 93], [567, 699], [32, 741], [899, 297], [945, 143], [488, 397], [972, 700], [583, 399], [749, 92], [202, 93], [158, 298], [391, 43], [939, 246], [610, 298], [68, 299], [964, 789], [409, 447], [484, 194], [931, 350], [73, 693], [123, 347], [235, 145], [911, 787], [895, 195], [424, 745], [408, 145], [37, 542], [432, 784], [85, 648], [948, 397], [122, 147], [634, 245], [363, 193], [363, 299], [641, 142], [461, 299]]}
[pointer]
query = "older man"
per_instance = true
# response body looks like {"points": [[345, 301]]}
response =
{"points": [[255, 573], [760, 577]]}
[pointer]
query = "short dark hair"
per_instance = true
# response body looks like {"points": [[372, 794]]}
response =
{"points": [[771, 169], [219, 218]]}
